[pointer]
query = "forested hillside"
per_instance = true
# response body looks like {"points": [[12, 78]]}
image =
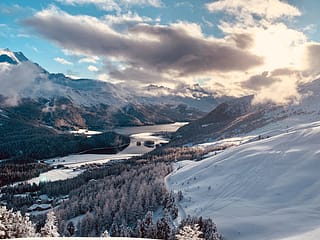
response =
{"points": [[126, 198], [23, 141]]}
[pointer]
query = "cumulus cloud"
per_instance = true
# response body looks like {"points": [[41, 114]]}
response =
{"points": [[258, 82], [242, 40], [258, 54], [63, 61], [279, 86], [281, 91], [179, 49], [261, 27]]}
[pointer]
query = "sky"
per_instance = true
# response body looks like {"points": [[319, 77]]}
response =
{"points": [[230, 47]]}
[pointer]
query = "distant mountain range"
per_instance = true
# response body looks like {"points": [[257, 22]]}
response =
{"points": [[58, 101]]}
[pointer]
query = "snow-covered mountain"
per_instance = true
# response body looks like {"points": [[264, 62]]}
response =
{"points": [[62, 102], [8, 57], [239, 116], [267, 189]]}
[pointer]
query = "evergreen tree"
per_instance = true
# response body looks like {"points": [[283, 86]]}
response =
{"points": [[189, 232], [70, 228], [105, 234], [14, 225], [50, 228]]}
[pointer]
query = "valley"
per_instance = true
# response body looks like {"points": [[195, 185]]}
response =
{"points": [[73, 165], [160, 119]]}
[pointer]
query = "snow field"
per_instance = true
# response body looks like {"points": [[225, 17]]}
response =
{"points": [[268, 189]]}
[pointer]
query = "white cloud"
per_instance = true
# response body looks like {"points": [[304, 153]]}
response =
{"points": [[127, 19], [92, 68], [281, 46], [154, 3], [63, 61], [114, 5], [16, 79], [256, 40], [269, 9], [91, 59], [105, 77], [178, 49]]}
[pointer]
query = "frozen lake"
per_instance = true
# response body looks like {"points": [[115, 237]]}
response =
{"points": [[137, 134]]}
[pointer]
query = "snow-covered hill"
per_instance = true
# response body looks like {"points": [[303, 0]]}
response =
{"points": [[268, 189]]}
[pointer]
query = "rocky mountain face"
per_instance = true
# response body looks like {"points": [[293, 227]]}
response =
{"points": [[64, 103]]}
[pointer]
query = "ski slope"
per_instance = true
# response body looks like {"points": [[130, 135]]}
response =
{"points": [[268, 189]]}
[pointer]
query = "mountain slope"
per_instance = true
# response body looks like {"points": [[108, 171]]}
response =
{"points": [[65, 103], [227, 119], [239, 116], [261, 190]]}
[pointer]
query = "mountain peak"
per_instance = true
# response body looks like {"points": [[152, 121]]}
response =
{"points": [[9, 57]]}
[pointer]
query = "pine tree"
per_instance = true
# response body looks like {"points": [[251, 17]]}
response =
{"points": [[163, 228], [14, 225], [50, 229], [189, 232]]}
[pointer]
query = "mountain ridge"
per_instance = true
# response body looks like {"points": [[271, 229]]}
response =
{"points": [[86, 99]]}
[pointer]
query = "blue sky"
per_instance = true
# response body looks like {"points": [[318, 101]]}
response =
{"points": [[229, 47], [16, 37]]}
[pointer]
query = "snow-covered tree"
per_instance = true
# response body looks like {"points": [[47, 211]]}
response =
{"points": [[163, 227], [50, 228], [105, 234], [15, 225], [189, 232]]}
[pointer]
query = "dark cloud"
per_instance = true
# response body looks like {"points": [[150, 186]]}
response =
{"points": [[257, 82], [313, 58], [159, 48], [242, 40], [283, 72], [136, 74]]}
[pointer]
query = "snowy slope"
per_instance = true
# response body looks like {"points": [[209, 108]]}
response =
{"points": [[267, 189]]}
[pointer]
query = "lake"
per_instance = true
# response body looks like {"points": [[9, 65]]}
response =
{"points": [[137, 134]]}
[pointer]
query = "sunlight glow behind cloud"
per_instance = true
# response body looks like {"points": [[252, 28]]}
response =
{"points": [[257, 43]]}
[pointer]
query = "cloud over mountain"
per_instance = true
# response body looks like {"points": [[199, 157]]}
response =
{"points": [[139, 50], [16, 79]]}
